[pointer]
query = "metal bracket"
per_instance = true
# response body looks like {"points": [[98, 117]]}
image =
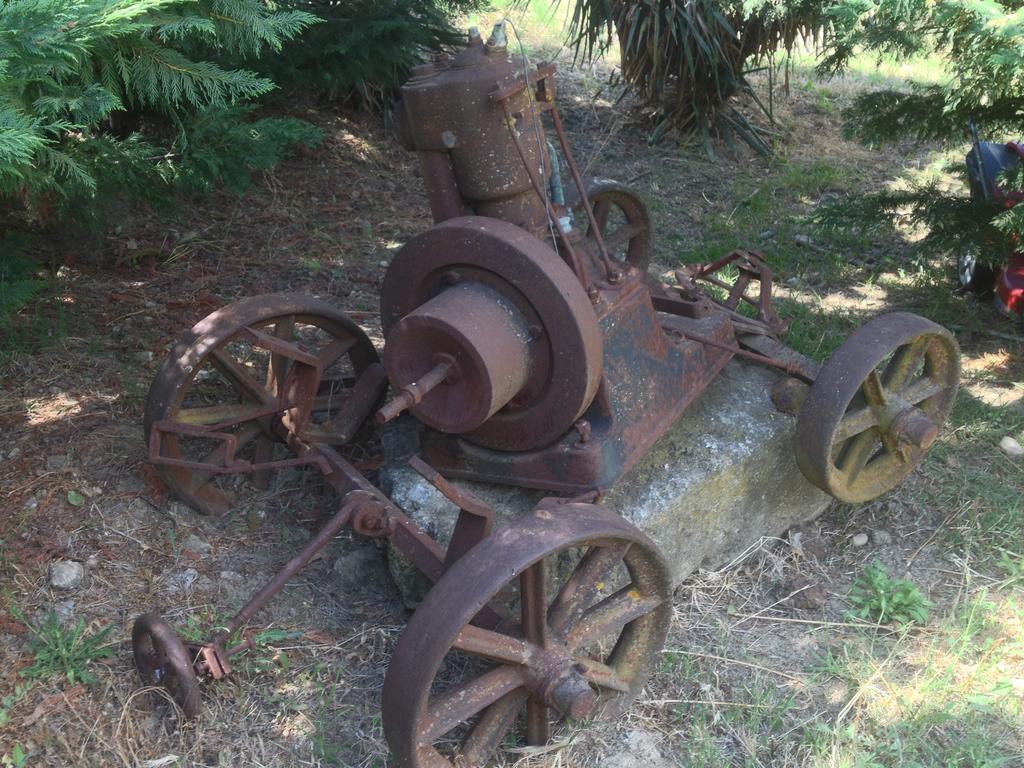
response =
{"points": [[228, 463], [476, 518], [751, 266]]}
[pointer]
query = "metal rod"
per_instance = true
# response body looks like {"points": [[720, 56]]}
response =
{"points": [[556, 119], [414, 392], [790, 368], [296, 564], [574, 259]]}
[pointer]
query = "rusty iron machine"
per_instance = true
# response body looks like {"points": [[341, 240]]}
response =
{"points": [[524, 333]]}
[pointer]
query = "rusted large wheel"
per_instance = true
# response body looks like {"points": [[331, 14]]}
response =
{"points": [[622, 216], [163, 660], [877, 406], [586, 603], [217, 375]]}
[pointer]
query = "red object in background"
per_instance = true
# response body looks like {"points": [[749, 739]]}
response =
{"points": [[1009, 287]]}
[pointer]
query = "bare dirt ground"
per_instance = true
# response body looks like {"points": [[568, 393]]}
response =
{"points": [[749, 676]]}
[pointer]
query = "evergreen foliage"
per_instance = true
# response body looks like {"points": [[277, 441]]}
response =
{"points": [[70, 67], [104, 102], [688, 59], [363, 49], [226, 147], [982, 43], [19, 279]]}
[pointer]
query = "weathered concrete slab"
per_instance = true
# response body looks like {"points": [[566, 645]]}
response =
{"points": [[723, 476]]}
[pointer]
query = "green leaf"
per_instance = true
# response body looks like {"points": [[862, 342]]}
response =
{"points": [[75, 499]]}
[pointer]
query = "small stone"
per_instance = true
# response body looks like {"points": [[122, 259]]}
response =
{"points": [[65, 610], [14, 453], [767, 234], [881, 537], [859, 539], [92, 561], [32, 503], [182, 581], [1011, 447], [146, 356], [383, 263], [56, 462], [234, 586], [196, 545], [66, 574], [807, 595], [640, 748], [363, 570]]}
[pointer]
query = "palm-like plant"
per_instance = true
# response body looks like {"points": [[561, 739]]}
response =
{"points": [[688, 59]]}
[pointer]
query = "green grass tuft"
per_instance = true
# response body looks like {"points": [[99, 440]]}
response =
{"points": [[62, 652], [878, 597]]}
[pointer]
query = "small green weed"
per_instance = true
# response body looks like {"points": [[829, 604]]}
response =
{"points": [[877, 597], [1012, 565], [16, 758], [8, 701], [64, 652]]}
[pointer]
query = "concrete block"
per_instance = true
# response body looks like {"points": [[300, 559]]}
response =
{"points": [[722, 477]]}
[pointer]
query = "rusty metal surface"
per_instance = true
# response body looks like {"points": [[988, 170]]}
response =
{"points": [[876, 407], [481, 340], [564, 343], [581, 643], [280, 392], [162, 660], [475, 521], [751, 268], [622, 220], [652, 371], [449, 113]]}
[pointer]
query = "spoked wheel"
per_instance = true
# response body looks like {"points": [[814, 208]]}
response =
{"points": [[877, 406], [972, 274], [230, 375], [577, 645], [622, 217], [163, 660]]}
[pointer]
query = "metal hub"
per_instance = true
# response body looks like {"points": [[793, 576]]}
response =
{"points": [[482, 337]]}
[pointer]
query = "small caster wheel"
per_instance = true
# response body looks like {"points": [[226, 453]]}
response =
{"points": [[163, 660]]}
